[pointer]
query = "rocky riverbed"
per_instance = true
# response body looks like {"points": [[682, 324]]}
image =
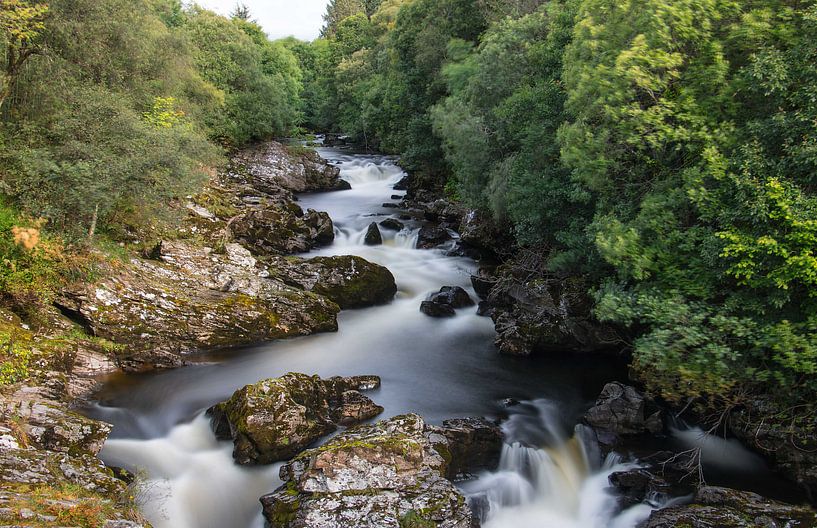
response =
{"points": [[227, 278], [223, 280]]}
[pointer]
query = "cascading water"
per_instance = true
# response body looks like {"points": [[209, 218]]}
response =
{"points": [[546, 479], [438, 368]]}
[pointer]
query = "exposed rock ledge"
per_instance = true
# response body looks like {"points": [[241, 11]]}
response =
{"points": [[224, 281]]}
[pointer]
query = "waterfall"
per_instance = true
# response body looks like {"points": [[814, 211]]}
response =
{"points": [[546, 479]]}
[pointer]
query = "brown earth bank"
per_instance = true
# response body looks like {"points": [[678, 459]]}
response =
{"points": [[223, 279]]}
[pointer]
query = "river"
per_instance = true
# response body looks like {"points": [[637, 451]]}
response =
{"points": [[438, 368]]}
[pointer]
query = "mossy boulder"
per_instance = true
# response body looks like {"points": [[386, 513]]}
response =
{"points": [[282, 230], [349, 281], [388, 474], [715, 507], [277, 418]]}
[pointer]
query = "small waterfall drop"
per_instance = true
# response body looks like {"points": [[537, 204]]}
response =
{"points": [[546, 479]]}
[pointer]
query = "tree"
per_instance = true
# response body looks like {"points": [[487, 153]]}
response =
{"points": [[241, 12], [20, 26]]}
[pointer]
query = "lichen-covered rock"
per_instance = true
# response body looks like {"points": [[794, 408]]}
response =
{"points": [[296, 169], [50, 426], [387, 475], [349, 281], [282, 230], [715, 507], [622, 410], [275, 419], [32, 466], [191, 299]]}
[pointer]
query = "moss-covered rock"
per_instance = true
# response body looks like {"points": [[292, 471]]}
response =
{"points": [[715, 507], [350, 281], [389, 474], [193, 298], [275, 419]]}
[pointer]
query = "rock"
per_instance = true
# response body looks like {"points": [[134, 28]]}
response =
{"points": [[446, 301], [430, 237], [39, 467], [482, 234], [282, 230], [392, 224], [355, 408], [276, 418], [437, 310], [48, 425], [636, 486], [390, 474], [453, 295], [475, 444], [396, 197], [391, 205], [483, 283], [195, 299], [484, 309], [403, 184], [373, 236], [622, 410], [546, 315], [715, 507], [792, 450], [296, 169], [349, 281]]}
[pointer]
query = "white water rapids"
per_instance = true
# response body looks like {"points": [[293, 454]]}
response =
{"points": [[438, 368]]}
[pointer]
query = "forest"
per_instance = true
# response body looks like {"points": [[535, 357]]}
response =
{"points": [[664, 150]]}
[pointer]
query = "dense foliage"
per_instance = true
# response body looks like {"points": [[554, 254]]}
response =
{"points": [[113, 110], [664, 149]]}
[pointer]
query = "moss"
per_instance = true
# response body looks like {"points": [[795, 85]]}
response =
{"points": [[413, 519]]}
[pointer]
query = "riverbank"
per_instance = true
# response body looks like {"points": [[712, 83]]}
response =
{"points": [[442, 367], [222, 280]]}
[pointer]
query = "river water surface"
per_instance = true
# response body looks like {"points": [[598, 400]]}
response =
{"points": [[441, 369]]}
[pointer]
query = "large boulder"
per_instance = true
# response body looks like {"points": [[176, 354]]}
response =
{"points": [[387, 475], [474, 444], [48, 425], [275, 419], [446, 301], [622, 410], [296, 169], [545, 315], [430, 237], [715, 507], [282, 230], [192, 298], [349, 281]]}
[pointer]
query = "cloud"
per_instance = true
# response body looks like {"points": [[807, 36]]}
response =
{"points": [[279, 18]]}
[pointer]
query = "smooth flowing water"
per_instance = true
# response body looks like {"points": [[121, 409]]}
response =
{"points": [[437, 368]]}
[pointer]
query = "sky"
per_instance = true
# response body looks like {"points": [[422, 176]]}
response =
{"points": [[279, 18]]}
